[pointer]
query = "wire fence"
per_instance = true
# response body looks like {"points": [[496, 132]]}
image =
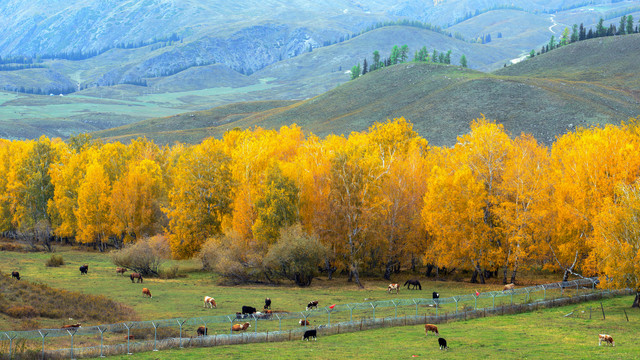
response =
{"points": [[139, 336]]}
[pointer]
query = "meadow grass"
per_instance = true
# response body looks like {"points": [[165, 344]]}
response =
{"points": [[543, 334]]}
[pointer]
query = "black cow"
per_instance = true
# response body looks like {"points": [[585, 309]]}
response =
{"points": [[436, 295], [248, 310], [267, 303], [202, 331], [310, 334], [312, 304], [443, 344], [84, 269], [15, 274]]}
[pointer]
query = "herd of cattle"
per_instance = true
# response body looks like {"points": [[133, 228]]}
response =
{"points": [[249, 311]]}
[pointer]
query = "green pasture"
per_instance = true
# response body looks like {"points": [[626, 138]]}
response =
{"points": [[182, 297], [544, 334], [514, 336]]}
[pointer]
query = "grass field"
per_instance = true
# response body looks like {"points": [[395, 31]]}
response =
{"points": [[514, 336], [545, 334]]}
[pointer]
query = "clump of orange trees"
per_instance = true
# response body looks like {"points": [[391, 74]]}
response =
{"points": [[375, 200]]}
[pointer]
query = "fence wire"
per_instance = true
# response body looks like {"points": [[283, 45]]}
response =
{"points": [[172, 331]]}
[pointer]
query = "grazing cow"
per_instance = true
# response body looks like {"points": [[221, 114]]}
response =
{"points": [[241, 316], [607, 340], [210, 302], [239, 327], [267, 303], [15, 274], [304, 322], [310, 334], [312, 304], [509, 287], [120, 270], [71, 326], [443, 344], [202, 331], [146, 292], [134, 276], [436, 295], [432, 328], [248, 310], [84, 269], [414, 282], [393, 287]]}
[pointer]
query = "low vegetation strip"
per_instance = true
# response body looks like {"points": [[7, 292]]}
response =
{"points": [[25, 300]]}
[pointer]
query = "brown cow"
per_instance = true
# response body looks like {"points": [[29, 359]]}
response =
{"points": [[71, 326], [137, 276], [304, 322], [432, 328], [509, 287], [202, 331], [240, 327], [210, 302], [15, 274], [146, 292], [393, 287], [608, 340], [120, 270]]}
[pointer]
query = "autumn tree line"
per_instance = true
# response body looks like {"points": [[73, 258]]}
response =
{"points": [[372, 202]]}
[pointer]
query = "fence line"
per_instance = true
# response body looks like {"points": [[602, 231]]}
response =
{"points": [[174, 329]]}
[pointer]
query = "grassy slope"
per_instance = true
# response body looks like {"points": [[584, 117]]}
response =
{"points": [[583, 84], [544, 334]]}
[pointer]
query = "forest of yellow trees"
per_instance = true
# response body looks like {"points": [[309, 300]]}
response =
{"points": [[377, 200]]}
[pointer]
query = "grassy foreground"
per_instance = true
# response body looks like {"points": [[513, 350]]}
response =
{"points": [[535, 335]]}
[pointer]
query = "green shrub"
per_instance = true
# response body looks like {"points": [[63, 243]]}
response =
{"points": [[55, 261]]}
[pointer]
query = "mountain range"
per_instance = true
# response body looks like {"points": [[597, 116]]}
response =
{"points": [[119, 62]]}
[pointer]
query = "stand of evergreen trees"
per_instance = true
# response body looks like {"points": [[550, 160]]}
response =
{"points": [[579, 33], [400, 55]]}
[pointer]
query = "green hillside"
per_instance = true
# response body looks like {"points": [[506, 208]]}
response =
{"points": [[609, 61], [545, 96], [191, 127]]}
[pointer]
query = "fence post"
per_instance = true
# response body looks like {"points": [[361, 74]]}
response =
{"points": [[475, 302], [414, 301], [528, 291], [374, 310], [180, 324], [101, 338], [231, 325], [279, 322], [396, 306], [511, 297], [10, 343], [437, 304], [350, 312], [455, 298], [72, 335], [155, 334], [493, 295], [544, 292], [128, 337], [329, 315], [43, 336], [255, 330]]}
